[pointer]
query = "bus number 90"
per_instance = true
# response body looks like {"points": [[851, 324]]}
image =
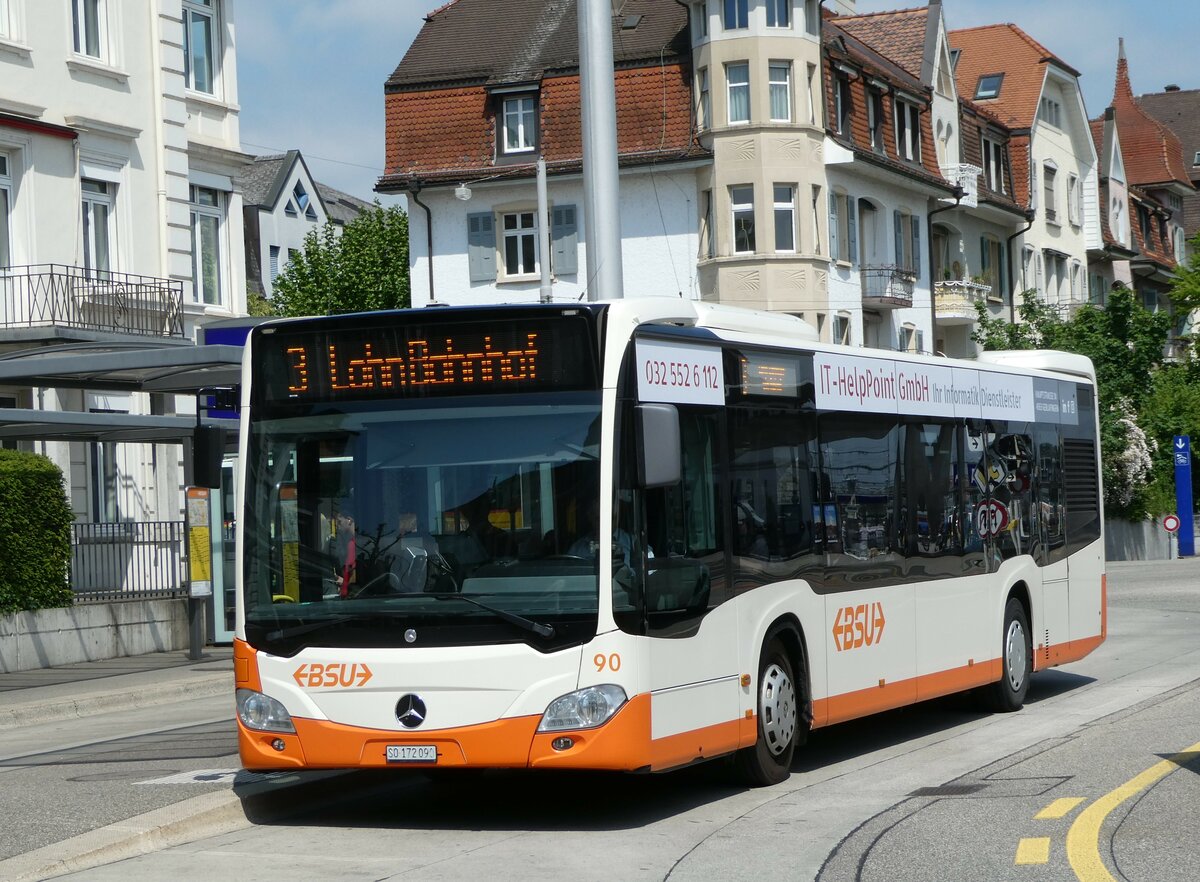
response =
{"points": [[610, 662]]}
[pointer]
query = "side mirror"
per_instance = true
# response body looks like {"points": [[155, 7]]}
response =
{"points": [[659, 456]]}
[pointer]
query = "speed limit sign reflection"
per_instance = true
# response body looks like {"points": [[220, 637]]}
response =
{"points": [[1170, 523]]}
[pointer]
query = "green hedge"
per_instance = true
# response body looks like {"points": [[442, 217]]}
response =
{"points": [[35, 534]]}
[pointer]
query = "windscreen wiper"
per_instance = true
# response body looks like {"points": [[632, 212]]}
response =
{"points": [[539, 628]]}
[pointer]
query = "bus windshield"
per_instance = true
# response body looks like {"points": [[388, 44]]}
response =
{"points": [[385, 523]]}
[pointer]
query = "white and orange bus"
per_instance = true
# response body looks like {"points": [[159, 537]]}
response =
{"points": [[641, 534]]}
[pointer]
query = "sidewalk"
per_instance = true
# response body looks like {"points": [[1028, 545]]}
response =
{"points": [[49, 695]]}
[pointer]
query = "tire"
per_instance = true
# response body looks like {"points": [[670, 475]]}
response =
{"points": [[769, 760], [1016, 660]]}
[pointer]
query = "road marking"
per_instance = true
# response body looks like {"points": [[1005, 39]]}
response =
{"points": [[1059, 808], [1083, 839], [1033, 851], [216, 776]]}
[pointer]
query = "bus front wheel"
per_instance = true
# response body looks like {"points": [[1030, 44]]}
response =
{"points": [[769, 759], [1016, 660]]}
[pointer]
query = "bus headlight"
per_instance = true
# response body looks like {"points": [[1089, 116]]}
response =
{"points": [[258, 711], [582, 709]]}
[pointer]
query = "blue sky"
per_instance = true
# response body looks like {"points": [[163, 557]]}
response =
{"points": [[311, 72]]}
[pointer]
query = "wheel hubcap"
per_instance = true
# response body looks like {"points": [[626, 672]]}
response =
{"points": [[1014, 652], [778, 703]]}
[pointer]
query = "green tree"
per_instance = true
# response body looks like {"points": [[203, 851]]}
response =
{"points": [[1185, 288], [1172, 407], [364, 268], [1125, 343]]}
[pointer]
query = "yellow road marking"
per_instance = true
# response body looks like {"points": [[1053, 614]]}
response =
{"points": [[1033, 851], [1083, 839], [1059, 808]]}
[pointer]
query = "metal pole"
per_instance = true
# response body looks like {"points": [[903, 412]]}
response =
{"points": [[543, 205], [601, 184]]}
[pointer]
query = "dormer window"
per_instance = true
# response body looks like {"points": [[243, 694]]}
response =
{"points": [[519, 124], [988, 86], [1050, 111], [908, 130], [300, 203]]}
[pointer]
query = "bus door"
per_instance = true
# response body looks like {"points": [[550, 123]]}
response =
{"points": [[1052, 553], [693, 647]]}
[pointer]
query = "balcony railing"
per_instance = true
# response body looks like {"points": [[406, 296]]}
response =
{"points": [[56, 295], [133, 560], [887, 287], [954, 301], [967, 177]]}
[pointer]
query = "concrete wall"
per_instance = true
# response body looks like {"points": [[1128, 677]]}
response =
{"points": [[1138, 540], [90, 632]]}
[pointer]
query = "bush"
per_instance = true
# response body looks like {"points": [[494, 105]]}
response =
{"points": [[35, 534]]}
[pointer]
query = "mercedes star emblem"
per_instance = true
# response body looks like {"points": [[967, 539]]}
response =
{"points": [[410, 711]]}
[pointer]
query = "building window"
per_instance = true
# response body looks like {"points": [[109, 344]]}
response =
{"points": [[812, 17], [1077, 293], [815, 220], [988, 86], [5, 27], [780, 73], [207, 216], [875, 119], [1196, 158], [910, 338], [704, 111], [742, 203], [708, 233], [785, 218], [841, 329], [1049, 174], [738, 77], [992, 268], [993, 166], [1056, 273], [1116, 216], [1050, 111], [88, 20], [842, 227], [908, 131], [200, 45], [106, 480], [736, 14], [274, 266], [906, 229], [1177, 236], [700, 25], [812, 86], [1074, 206], [300, 203], [842, 102], [98, 201], [520, 243], [779, 13], [1028, 269], [6, 201], [519, 133]]}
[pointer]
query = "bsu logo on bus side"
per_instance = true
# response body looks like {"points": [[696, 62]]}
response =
{"points": [[344, 675], [858, 626]]}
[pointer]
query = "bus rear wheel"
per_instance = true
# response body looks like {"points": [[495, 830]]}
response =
{"points": [[1016, 659], [769, 760]]}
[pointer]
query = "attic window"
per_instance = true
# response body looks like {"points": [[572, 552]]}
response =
{"points": [[300, 201], [989, 86], [954, 54], [1196, 159], [631, 22]]}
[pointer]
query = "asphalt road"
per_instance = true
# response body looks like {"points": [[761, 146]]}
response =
{"points": [[1097, 774]]}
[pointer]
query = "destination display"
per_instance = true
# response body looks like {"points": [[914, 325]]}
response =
{"points": [[438, 359]]}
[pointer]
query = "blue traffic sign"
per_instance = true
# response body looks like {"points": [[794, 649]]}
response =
{"points": [[1182, 452]]}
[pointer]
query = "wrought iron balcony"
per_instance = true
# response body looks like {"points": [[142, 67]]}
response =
{"points": [[55, 295], [954, 301], [887, 287], [967, 177]]}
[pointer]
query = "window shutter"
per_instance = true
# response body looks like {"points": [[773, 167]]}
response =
{"points": [[916, 242], [565, 236], [901, 341], [834, 246], [852, 230], [1038, 275], [1002, 274], [920, 341], [899, 237], [481, 246]]}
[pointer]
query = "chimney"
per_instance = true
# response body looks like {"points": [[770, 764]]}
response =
{"points": [[1171, 87]]}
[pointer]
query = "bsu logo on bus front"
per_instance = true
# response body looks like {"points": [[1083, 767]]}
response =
{"points": [[858, 626]]}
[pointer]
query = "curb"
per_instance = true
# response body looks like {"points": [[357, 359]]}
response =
{"points": [[200, 817], [149, 695]]}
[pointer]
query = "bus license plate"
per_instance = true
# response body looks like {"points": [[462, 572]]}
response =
{"points": [[411, 753]]}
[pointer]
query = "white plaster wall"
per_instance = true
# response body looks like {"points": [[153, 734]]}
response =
{"points": [[277, 228], [659, 239]]}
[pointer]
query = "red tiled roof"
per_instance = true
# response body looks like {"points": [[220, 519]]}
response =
{"points": [[1006, 49], [446, 135], [898, 34], [1153, 154]]}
